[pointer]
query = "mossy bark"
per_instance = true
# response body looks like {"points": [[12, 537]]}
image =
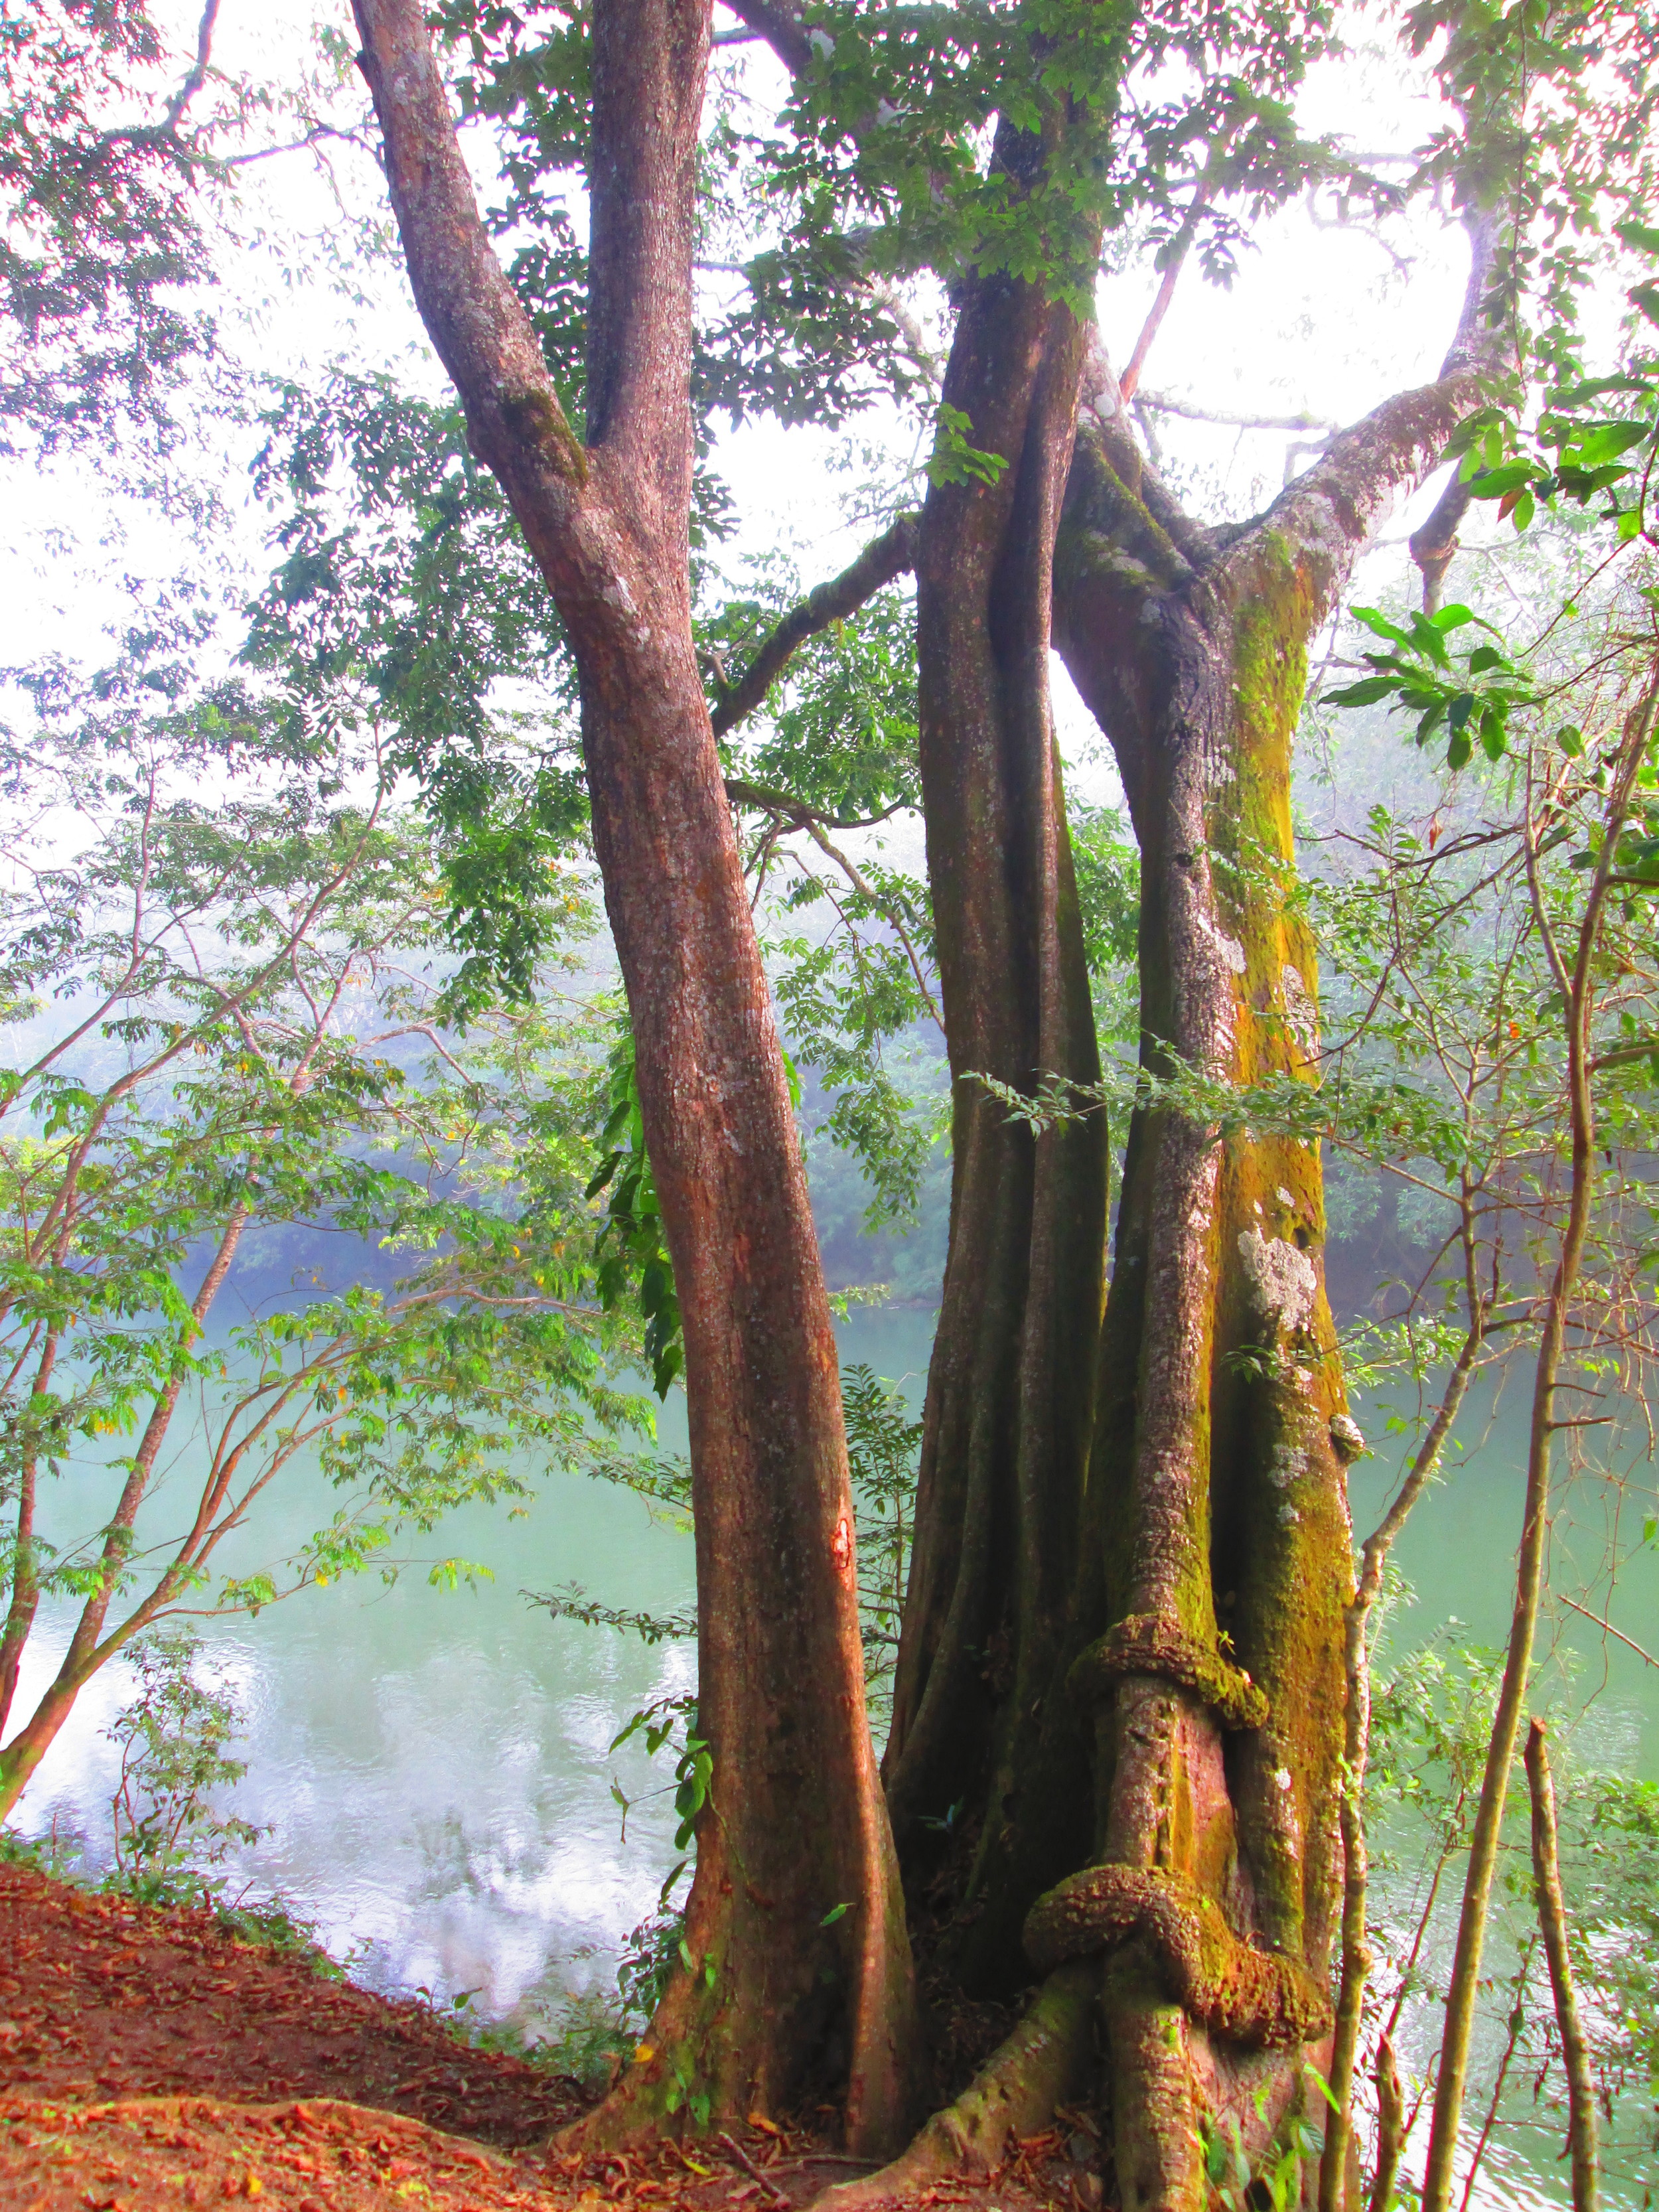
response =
{"points": [[1123, 1643], [1174, 1725], [1216, 1505]]}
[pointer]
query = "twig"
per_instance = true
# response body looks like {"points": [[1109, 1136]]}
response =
{"points": [[770, 2189], [1617, 1633]]}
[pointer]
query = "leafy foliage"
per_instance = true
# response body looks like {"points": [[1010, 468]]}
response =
{"points": [[884, 1446], [629, 1247], [222, 962], [174, 1739], [99, 235], [405, 602]]}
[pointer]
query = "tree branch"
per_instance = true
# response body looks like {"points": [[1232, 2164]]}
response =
{"points": [[1433, 544], [1180, 247], [1330, 513], [194, 81], [481, 332], [780, 26], [891, 555], [1163, 403]]}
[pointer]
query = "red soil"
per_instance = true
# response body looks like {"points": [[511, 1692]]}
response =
{"points": [[149, 2062]]}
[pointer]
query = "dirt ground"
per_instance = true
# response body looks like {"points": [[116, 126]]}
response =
{"points": [[148, 2060]]}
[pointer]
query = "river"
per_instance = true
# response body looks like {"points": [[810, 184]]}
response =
{"points": [[434, 1770]]}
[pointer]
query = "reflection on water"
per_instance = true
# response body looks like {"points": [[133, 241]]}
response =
{"points": [[434, 1765]]}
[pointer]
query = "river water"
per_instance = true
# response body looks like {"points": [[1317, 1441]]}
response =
{"points": [[434, 1767]]}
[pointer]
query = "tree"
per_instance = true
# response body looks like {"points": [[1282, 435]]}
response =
{"points": [[1207, 1620], [1116, 1757], [796, 1893], [214, 937], [1212, 1525]]}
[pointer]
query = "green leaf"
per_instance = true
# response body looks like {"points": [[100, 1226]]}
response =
{"points": [[1510, 477], [1485, 657], [1604, 443], [1646, 297], [1571, 740], [1377, 621], [1640, 237], [1522, 513], [835, 1913], [954, 460], [1365, 693]]}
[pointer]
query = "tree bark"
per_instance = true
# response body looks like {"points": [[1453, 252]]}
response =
{"points": [[795, 1825], [1006, 1428], [1217, 1511]]}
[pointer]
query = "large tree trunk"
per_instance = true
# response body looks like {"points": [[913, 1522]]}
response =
{"points": [[1217, 1499], [970, 1770], [795, 1825], [1194, 1665]]}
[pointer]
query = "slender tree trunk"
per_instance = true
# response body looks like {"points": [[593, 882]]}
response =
{"points": [[88, 1646], [795, 1827], [1553, 1923], [1007, 1422], [1577, 987], [25, 1599]]}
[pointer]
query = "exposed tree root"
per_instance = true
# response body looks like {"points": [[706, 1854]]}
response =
{"points": [[1146, 1644], [1014, 2093], [1249, 1996]]}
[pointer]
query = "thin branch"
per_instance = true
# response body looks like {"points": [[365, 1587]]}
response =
{"points": [[887, 556], [1163, 403], [193, 83], [866, 890], [1180, 246], [1618, 1634]]}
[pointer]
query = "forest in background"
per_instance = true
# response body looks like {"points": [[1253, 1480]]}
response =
{"points": [[484, 951]]}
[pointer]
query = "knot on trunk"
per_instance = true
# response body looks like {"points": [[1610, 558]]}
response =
{"points": [[1150, 1643], [1226, 1984]]}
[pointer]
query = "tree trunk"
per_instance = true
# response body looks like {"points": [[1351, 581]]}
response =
{"points": [[795, 1827], [1217, 1499], [1007, 1430]]}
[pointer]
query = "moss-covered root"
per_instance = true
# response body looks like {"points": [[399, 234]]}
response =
{"points": [[1253, 1998], [1045, 2061]]}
